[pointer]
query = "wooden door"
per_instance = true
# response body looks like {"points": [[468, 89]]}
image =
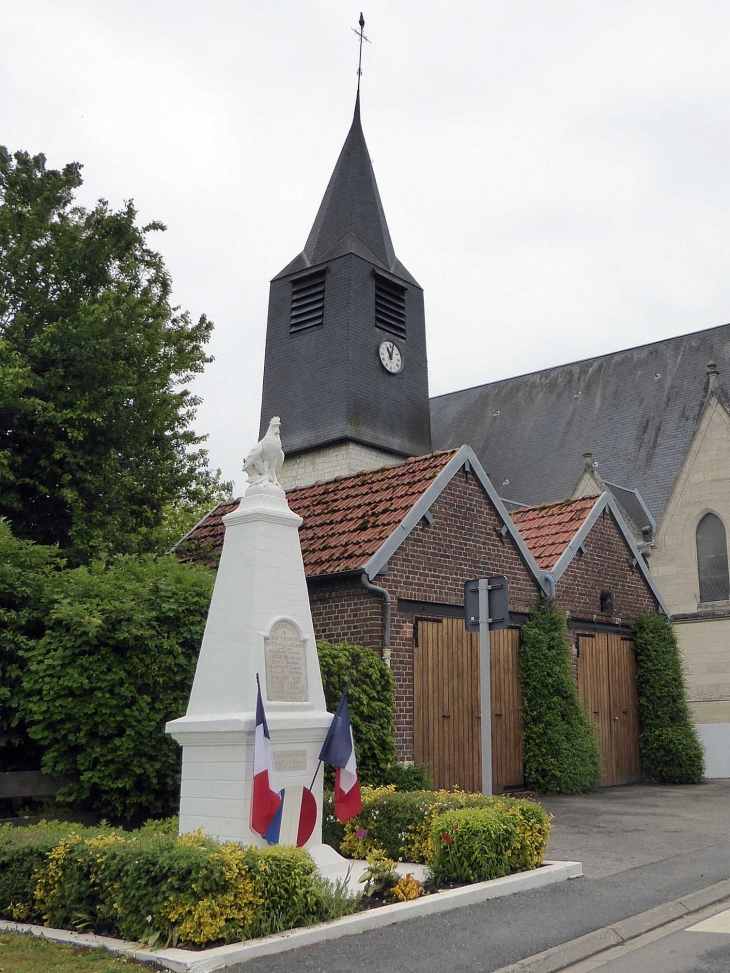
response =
{"points": [[607, 688], [624, 710], [447, 706], [507, 765]]}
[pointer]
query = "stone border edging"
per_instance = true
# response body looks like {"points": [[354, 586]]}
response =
{"points": [[584, 947], [208, 960]]}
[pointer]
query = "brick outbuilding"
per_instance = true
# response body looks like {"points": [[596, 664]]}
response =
{"points": [[387, 553]]}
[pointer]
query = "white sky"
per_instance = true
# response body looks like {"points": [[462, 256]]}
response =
{"points": [[554, 172]]}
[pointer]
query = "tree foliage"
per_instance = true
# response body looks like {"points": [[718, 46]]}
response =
{"points": [[95, 439], [115, 662], [670, 748], [560, 748]]}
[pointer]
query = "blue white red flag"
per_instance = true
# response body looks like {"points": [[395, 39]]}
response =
{"points": [[295, 819], [265, 801], [338, 749]]}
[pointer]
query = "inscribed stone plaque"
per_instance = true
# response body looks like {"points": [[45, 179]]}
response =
{"points": [[289, 761], [286, 665]]}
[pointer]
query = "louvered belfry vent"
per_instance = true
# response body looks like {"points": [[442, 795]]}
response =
{"points": [[307, 301], [390, 306]]}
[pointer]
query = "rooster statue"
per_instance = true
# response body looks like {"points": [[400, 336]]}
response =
{"points": [[266, 459]]}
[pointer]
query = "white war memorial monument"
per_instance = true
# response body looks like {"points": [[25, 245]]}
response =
{"points": [[259, 623]]}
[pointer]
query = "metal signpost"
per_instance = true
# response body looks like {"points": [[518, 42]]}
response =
{"points": [[485, 608]]}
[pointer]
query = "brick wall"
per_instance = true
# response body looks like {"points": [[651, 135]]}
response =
{"points": [[431, 565], [605, 566]]}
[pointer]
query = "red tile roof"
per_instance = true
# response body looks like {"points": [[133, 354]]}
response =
{"points": [[345, 520], [548, 529]]}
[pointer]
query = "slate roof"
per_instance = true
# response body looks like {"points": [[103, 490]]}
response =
{"points": [[635, 410], [548, 529], [345, 520], [351, 218]]}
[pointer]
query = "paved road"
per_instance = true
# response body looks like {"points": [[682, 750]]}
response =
{"points": [[641, 846], [695, 947]]}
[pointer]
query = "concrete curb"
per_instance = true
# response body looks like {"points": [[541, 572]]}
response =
{"points": [[208, 960], [559, 957]]}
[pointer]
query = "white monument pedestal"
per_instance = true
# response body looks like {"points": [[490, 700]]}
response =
{"points": [[259, 622]]}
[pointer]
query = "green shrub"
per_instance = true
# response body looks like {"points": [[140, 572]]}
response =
{"points": [[24, 571], [151, 886], [400, 825], [23, 852], [115, 662], [670, 748], [473, 845], [561, 751], [408, 777], [370, 698]]}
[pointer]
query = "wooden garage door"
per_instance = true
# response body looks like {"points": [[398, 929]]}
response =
{"points": [[447, 710], [607, 687]]}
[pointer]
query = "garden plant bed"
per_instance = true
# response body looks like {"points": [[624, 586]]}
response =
{"points": [[219, 957]]}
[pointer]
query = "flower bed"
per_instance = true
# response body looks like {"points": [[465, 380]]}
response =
{"points": [[506, 834], [150, 886]]}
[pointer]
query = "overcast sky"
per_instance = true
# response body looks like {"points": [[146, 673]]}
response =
{"points": [[555, 173]]}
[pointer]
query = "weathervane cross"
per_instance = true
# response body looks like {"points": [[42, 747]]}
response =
{"points": [[362, 38]]}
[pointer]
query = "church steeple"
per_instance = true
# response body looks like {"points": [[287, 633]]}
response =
{"points": [[351, 218], [345, 363]]}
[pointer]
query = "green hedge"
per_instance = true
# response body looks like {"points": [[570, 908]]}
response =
{"points": [[151, 886], [561, 751], [401, 826], [25, 571], [370, 697], [116, 661], [670, 748]]}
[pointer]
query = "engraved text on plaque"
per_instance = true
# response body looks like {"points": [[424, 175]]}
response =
{"points": [[289, 761], [286, 665]]}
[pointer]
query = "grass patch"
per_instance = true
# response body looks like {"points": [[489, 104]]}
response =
{"points": [[21, 953]]}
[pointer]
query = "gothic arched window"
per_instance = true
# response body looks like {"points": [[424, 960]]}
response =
{"points": [[712, 559]]}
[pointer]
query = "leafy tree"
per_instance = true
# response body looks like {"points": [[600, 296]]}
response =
{"points": [[95, 439], [115, 662], [560, 747], [25, 569], [670, 748]]}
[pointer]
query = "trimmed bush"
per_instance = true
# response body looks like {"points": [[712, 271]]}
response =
{"points": [[473, 845], [401, 825], [116, 661], [24, 572], [154, 887], [408, 777], [370, 697], [561, 750], [670, 748]]}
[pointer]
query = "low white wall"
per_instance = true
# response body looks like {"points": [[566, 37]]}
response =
{"points": [[715, 738]]}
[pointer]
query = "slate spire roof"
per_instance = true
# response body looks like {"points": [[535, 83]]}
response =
{"points": [[351, 218]]}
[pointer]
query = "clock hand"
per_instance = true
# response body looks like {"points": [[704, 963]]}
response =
{"points": [[391, 349]]}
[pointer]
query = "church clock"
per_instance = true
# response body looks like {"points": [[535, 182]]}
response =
{"points": [[390, 357]]}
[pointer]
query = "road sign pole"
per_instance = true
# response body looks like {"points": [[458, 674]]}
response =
{"points": [[485, 685]]}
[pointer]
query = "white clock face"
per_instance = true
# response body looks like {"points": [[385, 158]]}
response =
{"points": [[390, 357]]}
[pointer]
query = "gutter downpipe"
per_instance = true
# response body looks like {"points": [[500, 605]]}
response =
{"points": [[552, 586], [385, 595]]}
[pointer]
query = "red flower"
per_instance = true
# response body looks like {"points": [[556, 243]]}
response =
{"points": [[447, 839]]}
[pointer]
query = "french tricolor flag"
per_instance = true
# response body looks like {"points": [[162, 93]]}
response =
{"points": [[265, 801], [338, 749]]}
